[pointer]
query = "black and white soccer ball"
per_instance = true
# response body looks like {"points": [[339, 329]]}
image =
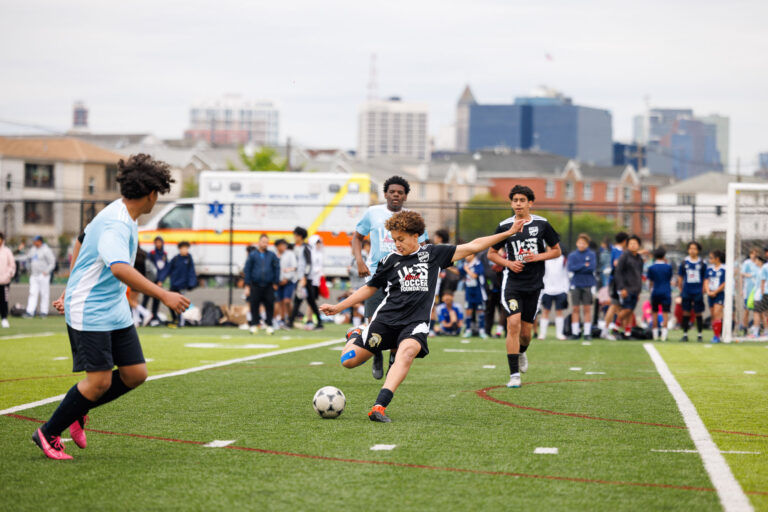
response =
{"points": [[329, 402]]}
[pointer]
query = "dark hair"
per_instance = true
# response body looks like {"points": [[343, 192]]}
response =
{"points": [[158, 237], [694, 242], [447, 291], [280, 241], [409, 221], [250, 249], [2, 235], [183, 243], [141, 175], [522, 189], [298, 230], [263, 235], [444, 234], [621, 237], [635, 237], [719, 254], [397, 180], [659, 253]]}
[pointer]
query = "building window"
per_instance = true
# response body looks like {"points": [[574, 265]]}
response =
{"points": [[111, 180], [684, 227], [91, 186], [38, 175], [610, 192], [38, 212], [686, 199], [550, 189], [8, 181], [627, 195], [645, 224], [627, 221], [588, 191], [645, 195], [569, 190]]}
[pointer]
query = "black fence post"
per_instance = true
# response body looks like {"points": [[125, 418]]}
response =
{"points": [[693, 220], [653, 227], [458, 222], [570, 227], [231, 242]]}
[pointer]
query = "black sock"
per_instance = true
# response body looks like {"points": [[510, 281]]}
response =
{"points": [[699, 324], [72, 407], [514, 363], [523, 348], [686, 322], [385, 396], [116, 389]]}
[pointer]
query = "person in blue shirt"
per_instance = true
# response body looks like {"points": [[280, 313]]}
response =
{"points": [[396, 191], [614, 309], [714, 287], [761, 299], [95, 305], [262, 275], [159, 258], [691, 275], [449, 317], [181, 270], [474, 294], [659, 276], [581, 264], [749, 273]]}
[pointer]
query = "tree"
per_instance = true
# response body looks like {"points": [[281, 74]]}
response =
{"points": [[481, 215], [596, 226], [190, 188], [265, 159]]}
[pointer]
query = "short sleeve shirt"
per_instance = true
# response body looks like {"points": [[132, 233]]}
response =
{"points": [[693, 274], [382, 243], [537, 234], [409, 283], [750, 267], [660, 274], [715, 277], [95, 299]]}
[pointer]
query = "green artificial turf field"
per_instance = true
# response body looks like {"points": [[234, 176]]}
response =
{"points": [[462, 440]]}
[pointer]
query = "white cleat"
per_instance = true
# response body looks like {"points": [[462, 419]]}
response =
{"points": [[467, 334], [5, 323], [514, 381], [254, 329], [483, 335], [270, 330], [523, 361]]}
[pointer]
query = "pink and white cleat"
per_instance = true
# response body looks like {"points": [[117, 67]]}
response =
{"points": [[77, 431], [52, 447]]}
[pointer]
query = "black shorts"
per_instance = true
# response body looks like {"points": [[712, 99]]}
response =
{"points": [[379, 336], [524, 302], [94, 351], [560, 301], [692, 302], [660, 300]]}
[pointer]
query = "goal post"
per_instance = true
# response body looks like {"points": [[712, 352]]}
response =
{"points": [[747, 212]]}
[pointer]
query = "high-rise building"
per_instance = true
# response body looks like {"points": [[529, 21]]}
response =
{"points": [[392, 127], [722, 135], [679, 144], [545, 121], [234, 120], [466, 101]]}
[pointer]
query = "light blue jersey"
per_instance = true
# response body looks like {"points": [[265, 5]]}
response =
{"points": [[95, 299], [762, 281], [381, 240], [752, 268]]}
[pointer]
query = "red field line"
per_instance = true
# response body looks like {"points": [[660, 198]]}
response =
{"points": [[483, 393], [407, 465]]}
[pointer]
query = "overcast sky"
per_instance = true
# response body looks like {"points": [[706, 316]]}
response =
{"points": [[139, 65]]}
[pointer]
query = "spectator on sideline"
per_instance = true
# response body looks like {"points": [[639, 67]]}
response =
{"points": [[474, 294], [287, 285], [262, 275], [613, 310], [41, 264], [749, 273], [355, 279], [628, 278], [660, 279], [449, 317], [181, 270], [582, 263], [7, 271], [159, 258], [317, 274], [304, 271], [691, 275], [714, 288], [761, 300], [554, 296]]}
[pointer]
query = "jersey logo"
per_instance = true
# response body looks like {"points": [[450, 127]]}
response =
{"points": [[375, 340], [423, 256], [522, 247], [414, 278], [533, 230], [513, 305]]}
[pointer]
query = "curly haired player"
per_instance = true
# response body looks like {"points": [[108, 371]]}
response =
{"points": [[408, 277]]}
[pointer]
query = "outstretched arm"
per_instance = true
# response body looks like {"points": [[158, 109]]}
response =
{"points": [[362, 293], [479, 244]]}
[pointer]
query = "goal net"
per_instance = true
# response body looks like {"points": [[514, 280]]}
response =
{"points": [[747, 230]]}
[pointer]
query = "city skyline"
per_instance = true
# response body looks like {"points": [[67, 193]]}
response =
{"points": [[141, 67]]}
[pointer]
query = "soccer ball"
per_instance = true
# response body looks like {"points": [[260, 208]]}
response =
{"points": [[329, 402]]}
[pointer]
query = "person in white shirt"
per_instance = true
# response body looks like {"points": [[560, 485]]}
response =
{"points": [[41, 263], [7, 271], [287, 284], [555, 295]]}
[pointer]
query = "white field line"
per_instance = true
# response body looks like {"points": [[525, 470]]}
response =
{"points": [[729, 491], [186, 371], [22, 336], [735, 452]]}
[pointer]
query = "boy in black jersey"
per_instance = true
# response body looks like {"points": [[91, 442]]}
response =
{"points": [[523, 278], [408, 277]]}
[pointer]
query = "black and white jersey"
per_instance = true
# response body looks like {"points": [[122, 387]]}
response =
{"points": [[409, 283], [537, 234]]}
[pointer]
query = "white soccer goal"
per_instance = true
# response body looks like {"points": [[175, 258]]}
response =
{"points": [[747, 226]]}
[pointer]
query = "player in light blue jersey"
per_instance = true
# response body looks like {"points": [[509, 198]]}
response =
{"points": [[99, 321], [396, 191]]}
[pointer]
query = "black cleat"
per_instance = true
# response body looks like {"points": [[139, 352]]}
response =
{"points": [[378, 414], [377, 369], [684, 338], [587, 337]]}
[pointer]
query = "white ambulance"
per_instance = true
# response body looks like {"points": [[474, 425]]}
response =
{"points": [[274, 203]]}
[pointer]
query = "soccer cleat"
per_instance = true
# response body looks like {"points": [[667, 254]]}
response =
{"points": [[587, 337], [377, 368], [716, 339], [354, 331], [254, 329], [5, 323], [270, 330], [77, 431], [378, 413], [514, 381], [483, 335], [699, 338], [684, 338], [523, 361], [51, 446], [467, 334]]}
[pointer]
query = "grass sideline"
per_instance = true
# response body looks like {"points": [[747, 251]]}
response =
{"points": [[455, 449]]}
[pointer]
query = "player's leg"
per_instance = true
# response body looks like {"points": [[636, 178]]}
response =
{"points": [[717, 321], [576, 311], [45, 294], [514, 326], [407, 351], [469, 314], [686, 305], [699, 307], [34, 292], [371, 305], [587, 316], [269, 306]]}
